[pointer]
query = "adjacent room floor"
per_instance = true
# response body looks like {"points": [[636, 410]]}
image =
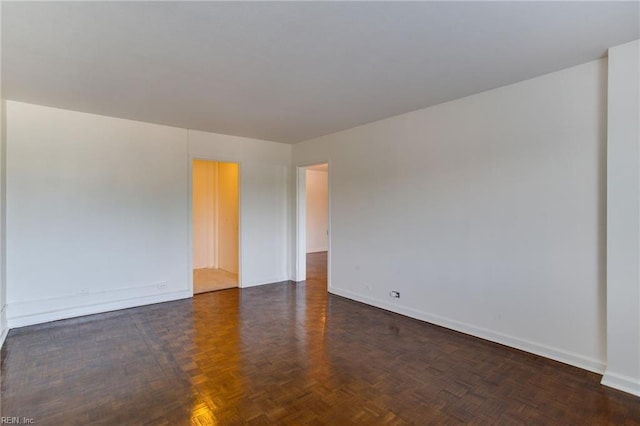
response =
{"points": [[286, 354], [208, 279]]}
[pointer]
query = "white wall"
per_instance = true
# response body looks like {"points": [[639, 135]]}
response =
{"points": [[3, 145], [204, 193], [264, 201], [96, 213], [228, 216], [623, 219], [3, 283], [317, 186], [489, 217]]}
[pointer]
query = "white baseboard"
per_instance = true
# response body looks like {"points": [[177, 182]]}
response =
{"points": [[4, 329], [46, 310], [620, 382], [515, 342], [96, 308], [624, 383], [3, 336]]}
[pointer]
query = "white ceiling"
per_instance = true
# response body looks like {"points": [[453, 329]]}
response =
{"points": [[290, 71]]}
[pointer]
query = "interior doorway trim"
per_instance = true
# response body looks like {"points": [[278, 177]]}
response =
{"points": [[190, 216], [300, 273]]}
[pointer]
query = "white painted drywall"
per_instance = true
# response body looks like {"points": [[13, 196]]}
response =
{"points": [[3, 145], [3, 198], [317, 184], [3, 158], [298, 238], [96, 212], [228, 216], [623, 219], [264, 201], [204, 193], [489, 217]]}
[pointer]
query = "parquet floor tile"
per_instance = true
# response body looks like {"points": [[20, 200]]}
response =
{"points": [[287, 354]]}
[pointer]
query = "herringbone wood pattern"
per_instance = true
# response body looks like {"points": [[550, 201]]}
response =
{"points": [[286, 354]]}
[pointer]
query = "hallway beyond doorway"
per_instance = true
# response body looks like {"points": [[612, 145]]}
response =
{"points": [[317, 269], [215, 222]]}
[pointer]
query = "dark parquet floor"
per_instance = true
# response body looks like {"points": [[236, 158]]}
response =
{"points": [[286, 354]]}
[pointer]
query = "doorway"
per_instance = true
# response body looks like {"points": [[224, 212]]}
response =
{"points": [[313, 225], [215, 225]]}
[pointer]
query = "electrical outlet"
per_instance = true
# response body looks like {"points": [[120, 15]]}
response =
{"points": [[395, 294]]}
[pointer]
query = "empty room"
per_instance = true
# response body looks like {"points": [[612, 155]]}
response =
{"points": [[219, 213]]}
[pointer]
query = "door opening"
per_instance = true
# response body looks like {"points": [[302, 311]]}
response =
{"points": [[313, 224], [215, 225]]}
